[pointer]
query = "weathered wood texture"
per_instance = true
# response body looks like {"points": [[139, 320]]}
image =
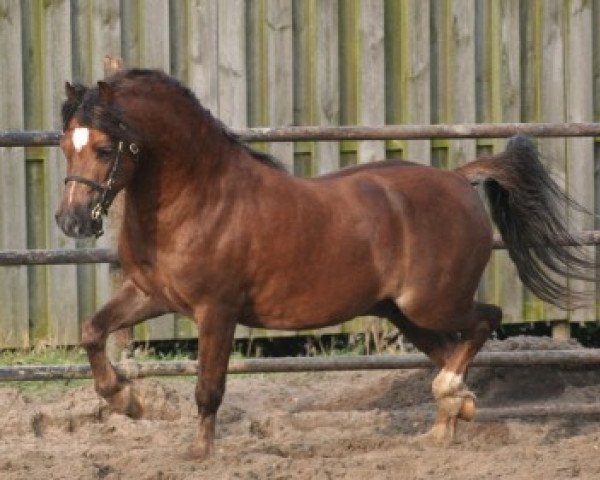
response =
{"points": [[275, 63], [14, 302], [56, 52]]}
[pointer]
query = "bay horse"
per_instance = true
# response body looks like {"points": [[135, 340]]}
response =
{"points": [[221, 233]]}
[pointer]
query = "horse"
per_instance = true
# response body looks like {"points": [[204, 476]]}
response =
{"points": [[219, 232]]}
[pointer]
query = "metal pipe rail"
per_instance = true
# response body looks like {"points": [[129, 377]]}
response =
{"points": [[104, 255], [132, 369], [58, 257], [381, 132]]}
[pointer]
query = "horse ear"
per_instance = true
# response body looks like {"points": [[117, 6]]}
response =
{"points": [[106, 92], [74, 94]]}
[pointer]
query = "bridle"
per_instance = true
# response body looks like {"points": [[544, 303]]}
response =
{"points": [[106, 188]]}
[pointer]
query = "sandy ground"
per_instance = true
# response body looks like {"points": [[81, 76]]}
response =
{"points": [[350, 425]]}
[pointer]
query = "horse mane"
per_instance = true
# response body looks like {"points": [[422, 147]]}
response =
{"points": [[89, 110]]}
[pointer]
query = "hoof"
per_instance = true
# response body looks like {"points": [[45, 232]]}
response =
{"points": [[127, 402], [197, 453], [467, 410], [436, 437]]}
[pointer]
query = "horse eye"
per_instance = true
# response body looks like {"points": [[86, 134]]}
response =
{"points": [[104, 153]]}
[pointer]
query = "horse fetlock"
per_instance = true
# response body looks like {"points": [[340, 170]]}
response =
{"points": [[461, 405], [450, 406], [204, 442], [446, 384], [441, 433], [126, 401], [199, 451]]}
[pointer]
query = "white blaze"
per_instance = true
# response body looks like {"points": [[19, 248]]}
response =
{"points": [[80, 138]]}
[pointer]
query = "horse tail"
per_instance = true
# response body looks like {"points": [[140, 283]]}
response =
{"points": [[528, 208]]}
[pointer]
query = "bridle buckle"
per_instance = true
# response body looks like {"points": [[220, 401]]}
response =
{"points": [[96, 212]]}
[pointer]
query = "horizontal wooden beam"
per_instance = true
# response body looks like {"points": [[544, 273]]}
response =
{"points": [[382, 132], [133, 369]]}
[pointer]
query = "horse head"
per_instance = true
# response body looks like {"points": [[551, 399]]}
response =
{"points": [[101, 153]]}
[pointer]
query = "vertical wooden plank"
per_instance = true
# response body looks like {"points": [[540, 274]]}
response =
{"points": [[280, 85], [552, 108], [81, 39], [304, 35], [131, 33], [203, 67], [106, 40], [506, 68], [371, 95], [348, 48], [596, 58], [233, 109], [498, 96], [185, 52], [179, 52], [96, 33], [460, 35], [63, 310], [596, 89], [348, 39], [326, 80], [580, 151], [106, 44], [37, 205], [256, 66], [416, 74], [234, 71], [153, 44], [81, 12], [371, 75], [531, 72], [154, 38], [14, 309]]}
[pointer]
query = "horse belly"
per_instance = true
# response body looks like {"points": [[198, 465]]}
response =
{"points": [[314, 302]]}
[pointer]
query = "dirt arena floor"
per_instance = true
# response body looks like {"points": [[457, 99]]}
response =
{"points": [[349, 425]]}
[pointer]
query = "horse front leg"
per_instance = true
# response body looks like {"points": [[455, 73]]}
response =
{"points": [[216, 329], [128, 306]]}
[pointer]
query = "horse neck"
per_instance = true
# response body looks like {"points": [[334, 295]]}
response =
{"points": [[189, 176]]}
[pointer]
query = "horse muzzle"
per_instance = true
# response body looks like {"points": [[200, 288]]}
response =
{"points": [[79, 223]]}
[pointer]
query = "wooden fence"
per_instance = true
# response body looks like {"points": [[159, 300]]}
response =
{"points": [[292, 62]]}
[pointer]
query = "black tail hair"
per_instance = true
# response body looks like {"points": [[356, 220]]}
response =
{"points": [[529, 208]]}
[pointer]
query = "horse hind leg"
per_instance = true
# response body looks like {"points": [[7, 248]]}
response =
{"points": [[452, 353], [437, 346], [453, 399]]}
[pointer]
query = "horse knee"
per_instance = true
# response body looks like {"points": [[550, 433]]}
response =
{"points": [[91, 337], [209, 397]]}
